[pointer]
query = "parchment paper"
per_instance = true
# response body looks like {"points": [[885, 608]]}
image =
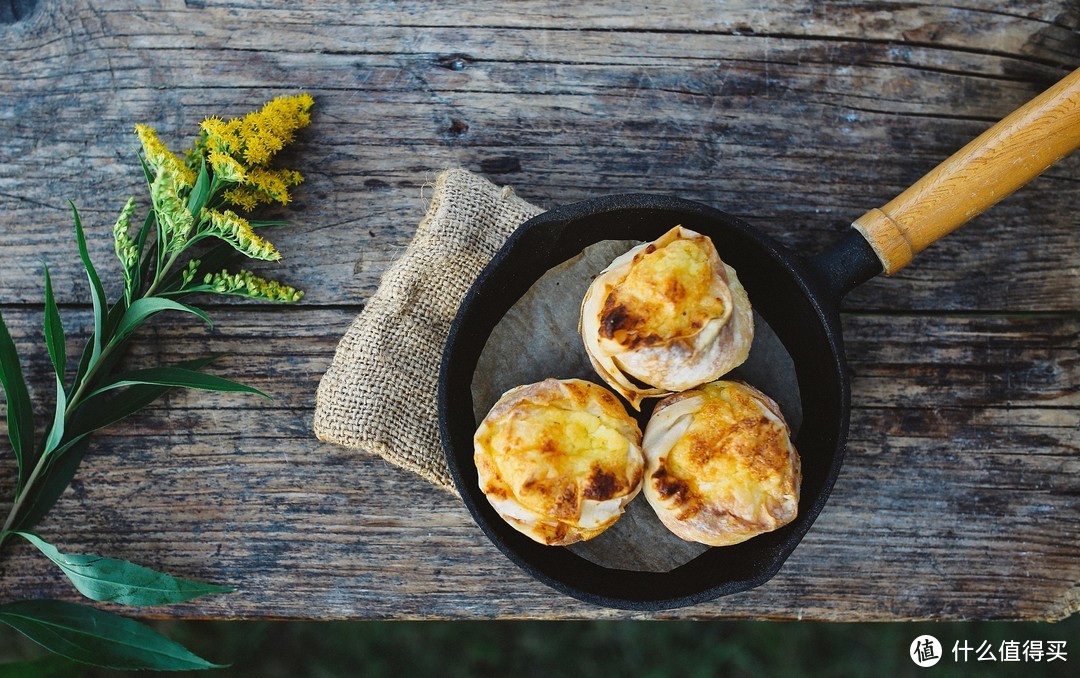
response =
{"points": [[538, 338]]}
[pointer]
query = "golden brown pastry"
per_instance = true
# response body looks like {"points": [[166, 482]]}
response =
{"points": [[721, 466], [559, 459], [666, 316]]}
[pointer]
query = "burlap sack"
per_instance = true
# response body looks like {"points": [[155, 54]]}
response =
{"points": [[379, 394]]}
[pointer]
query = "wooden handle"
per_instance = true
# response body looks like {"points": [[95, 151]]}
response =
{"points": [[999, 161]]}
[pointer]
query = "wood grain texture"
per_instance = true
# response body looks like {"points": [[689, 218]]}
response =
{"points": [[957, 502], [799, 132], [991, 167], [960, 496]]}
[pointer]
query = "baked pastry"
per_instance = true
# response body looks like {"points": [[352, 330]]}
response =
{"points": [[721, 467], [559, 459], [666, 316]]}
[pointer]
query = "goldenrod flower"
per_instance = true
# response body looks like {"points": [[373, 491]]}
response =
{"points": [[274, 183], [244, 198], [226, 167], [126, 251], [247, 284], [236, 231], [225, 135], [258, 136], [231, 158], [252, 142], [158, 157], [189, 272], [173, 215], [267, 131]]}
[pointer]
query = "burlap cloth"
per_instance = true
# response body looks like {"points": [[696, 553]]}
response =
{"points": [[380, 391]]}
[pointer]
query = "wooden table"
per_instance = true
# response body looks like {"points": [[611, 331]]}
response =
{"points": [[960, 496]]}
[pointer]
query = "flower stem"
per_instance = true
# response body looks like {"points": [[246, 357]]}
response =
{"points": [[72, 404], [162, 272], [76, 397], [19, 500]]}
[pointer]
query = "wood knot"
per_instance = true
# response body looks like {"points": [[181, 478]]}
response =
{"points": [[458, 127], [14, 11], [453, 62]]}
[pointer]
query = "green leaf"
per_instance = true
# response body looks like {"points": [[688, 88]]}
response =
{"points": [[57, 347], [141, 309], [85, 634], [118, 581], [177, 376], [115, 313], [56, 431], [146, 170], [20, 413], [84, 365], [143, 269], [50, 485], [54, 330], [95, 412], [97, 291], [98, 411], [47, 666], [200, 192]]}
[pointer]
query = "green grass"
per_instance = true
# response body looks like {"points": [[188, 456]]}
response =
{"points": [[606, 648]]}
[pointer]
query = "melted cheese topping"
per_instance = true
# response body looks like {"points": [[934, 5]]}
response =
{"points": [[721, 465], [559, 459], [733, 453], [665, 317], [544, 453], [668, 293]]}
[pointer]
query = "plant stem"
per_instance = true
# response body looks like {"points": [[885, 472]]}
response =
{"points": [[76, 397], [72, 404], [19, 500], [162, 272]]}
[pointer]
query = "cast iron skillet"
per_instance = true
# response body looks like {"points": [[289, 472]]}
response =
{"points": [[797, 296]]}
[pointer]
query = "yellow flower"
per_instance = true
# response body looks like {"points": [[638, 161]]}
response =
{"points": [[236, 231], [252, 142], [226, 167], [267, 131], [244, 198], [258, 136], [259, 145], [274, 183], [158, 157], [214, 128], [175, 218], [247, 284]]}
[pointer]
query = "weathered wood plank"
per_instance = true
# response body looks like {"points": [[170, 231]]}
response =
{"points": [[958, 499], [965, 23], [795, 121]]}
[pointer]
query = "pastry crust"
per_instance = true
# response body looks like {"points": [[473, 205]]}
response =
{"points": [[721, 467], [665, 317], [559, 459]]}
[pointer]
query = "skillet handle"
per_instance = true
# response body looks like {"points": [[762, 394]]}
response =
{"points": [[999, 161]]}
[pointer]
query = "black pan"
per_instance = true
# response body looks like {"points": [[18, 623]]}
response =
{"points": [[798, 297]]}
